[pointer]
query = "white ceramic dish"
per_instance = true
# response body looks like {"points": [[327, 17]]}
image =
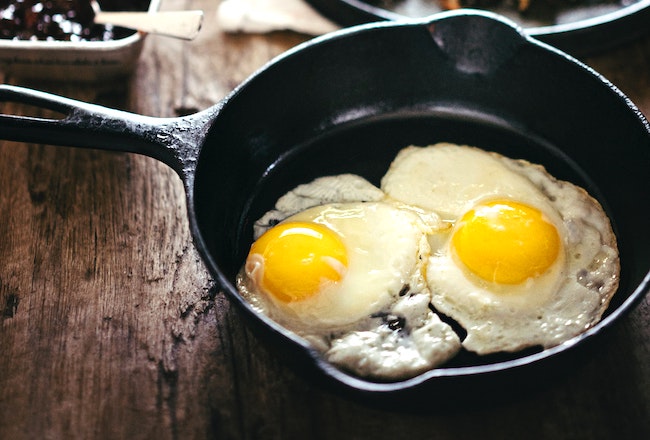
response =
{"points": [[66, 60]]}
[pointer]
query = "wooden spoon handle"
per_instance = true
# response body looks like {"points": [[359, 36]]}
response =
{"points": [[178, 24]]}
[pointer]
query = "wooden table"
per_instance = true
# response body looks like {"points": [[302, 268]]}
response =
{"points": [[111, 327]]}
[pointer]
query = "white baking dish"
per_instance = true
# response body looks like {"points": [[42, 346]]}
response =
{"points": [[67, 60]]}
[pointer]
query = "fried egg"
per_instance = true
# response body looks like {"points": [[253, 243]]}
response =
{"points": [[348, 277], [527, 260], [376, 278], [328, 266]]}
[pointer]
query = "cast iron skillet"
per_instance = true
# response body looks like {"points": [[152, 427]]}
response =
{"points": [[579, 28], [347, 102]]}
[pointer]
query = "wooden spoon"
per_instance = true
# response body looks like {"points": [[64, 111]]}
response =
{"points": [[177, 24]]}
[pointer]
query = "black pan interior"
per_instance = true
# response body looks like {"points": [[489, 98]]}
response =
{"points": [[350, 103]]}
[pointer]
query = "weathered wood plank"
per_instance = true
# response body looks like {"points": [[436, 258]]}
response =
{"points": [[110, 326]]}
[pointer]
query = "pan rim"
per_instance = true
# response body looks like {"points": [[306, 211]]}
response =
{"points": [[547, 30], [367, 385]]}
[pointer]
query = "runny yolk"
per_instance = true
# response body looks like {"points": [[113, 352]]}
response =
{"points": [[292, 261], [506, 242]]}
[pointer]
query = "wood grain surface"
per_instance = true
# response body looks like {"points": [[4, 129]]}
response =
{"points": [[111, 327]]}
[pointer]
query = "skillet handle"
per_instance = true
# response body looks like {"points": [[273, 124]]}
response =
{"points": [[174, 141]]}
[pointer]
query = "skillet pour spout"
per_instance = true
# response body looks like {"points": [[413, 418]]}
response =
{"points": [[347, 102]]}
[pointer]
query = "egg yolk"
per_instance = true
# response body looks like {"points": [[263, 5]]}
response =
{"points": [[293, 261], [506, 242]]}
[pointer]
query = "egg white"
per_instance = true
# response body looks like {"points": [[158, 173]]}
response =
{"points": [[374, 275], [449, 180]]}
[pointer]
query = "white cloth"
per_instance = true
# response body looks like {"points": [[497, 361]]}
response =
{"points": [[260, 16]]}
